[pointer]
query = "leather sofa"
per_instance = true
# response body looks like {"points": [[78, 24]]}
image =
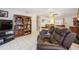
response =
{"points": [[64, 38]]}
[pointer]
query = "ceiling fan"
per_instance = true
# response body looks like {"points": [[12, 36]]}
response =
{"points": [[52, 14]]}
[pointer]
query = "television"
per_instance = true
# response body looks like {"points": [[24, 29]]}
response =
{"points": [[5, 25]]}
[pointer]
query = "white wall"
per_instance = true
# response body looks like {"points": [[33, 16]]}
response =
{"points": [[58, 21], [11, 13], [69, 21], [43, 21]]}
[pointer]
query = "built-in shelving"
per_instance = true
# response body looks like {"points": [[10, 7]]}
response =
{"points": [[22, 25]]}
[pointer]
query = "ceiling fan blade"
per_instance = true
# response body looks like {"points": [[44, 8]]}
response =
{"points": [[52, 13]]}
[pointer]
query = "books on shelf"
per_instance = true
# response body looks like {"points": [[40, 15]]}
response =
{"points": [[22, 23], [18, 27]]}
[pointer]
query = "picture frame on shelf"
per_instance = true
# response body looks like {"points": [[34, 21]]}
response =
{"points": [[3, 13]]}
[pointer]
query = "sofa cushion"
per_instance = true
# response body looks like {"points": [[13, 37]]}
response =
{"points": [[57, 37]]}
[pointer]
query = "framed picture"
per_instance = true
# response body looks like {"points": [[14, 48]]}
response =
{"points": [[43, 20], [3, 13]]}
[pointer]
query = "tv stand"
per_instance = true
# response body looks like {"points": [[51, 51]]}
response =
{"points": [[6, 36]]}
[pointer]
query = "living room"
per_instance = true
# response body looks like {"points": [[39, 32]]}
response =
{"points": [[27, 23]]}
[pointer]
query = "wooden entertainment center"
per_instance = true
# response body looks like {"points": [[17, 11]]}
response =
{"points": [[22, 25]]}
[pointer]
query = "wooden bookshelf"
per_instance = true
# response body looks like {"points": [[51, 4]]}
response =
{"points": [[75, 21], [75, 27], [22, 25]]}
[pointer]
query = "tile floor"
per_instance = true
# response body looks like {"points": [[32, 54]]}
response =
{"points": [[74, 46], [28, 42]]}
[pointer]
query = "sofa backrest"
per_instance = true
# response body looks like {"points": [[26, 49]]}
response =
{"points": [[68, 40], [60, 34], [43, 32]]}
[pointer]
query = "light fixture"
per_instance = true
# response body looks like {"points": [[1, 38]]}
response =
{"points": [[52, 17]]}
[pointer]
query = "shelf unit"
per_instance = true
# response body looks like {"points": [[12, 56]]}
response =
{"points": [[22, 25], [75, 21], [6, 36], [75, 27]]}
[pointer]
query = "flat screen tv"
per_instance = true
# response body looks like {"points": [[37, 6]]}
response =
{"points": [[5, 25]]}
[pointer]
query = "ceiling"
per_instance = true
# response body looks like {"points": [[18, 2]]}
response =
{"points": [[45, 11]]}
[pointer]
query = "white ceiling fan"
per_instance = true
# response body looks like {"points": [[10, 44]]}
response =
{"points": [[52, 14]]}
